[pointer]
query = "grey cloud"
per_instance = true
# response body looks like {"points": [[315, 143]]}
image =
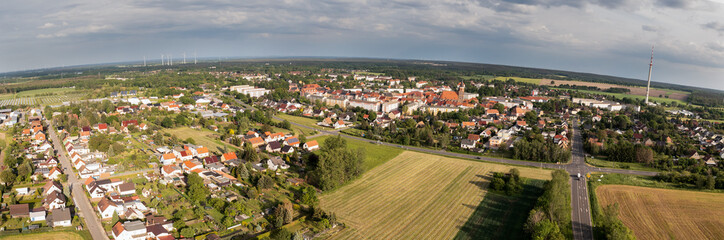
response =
{"points": [[718, 47], [674, 3], [649, 28], [716, 26]]}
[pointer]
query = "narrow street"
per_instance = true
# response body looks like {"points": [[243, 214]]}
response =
{"points": [[81, 201]]}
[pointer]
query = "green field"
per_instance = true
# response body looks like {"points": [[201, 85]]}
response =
{"points": [[66, 235], [309, 122], [33, 93], [520, 79], [623, 95], [641, 181], [596, 162], [297, 129], [202, 137], [375, 154], [423, 196], [501, 216]]}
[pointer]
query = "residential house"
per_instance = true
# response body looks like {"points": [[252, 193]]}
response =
{"points": [[127, 188], [19, 210], [37, 214], [228, 156], [467, 144], [107, 208], [52, 186], [311, 145], [130, 230], [60, 218], [54, 200]]}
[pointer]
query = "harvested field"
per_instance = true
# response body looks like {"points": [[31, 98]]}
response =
{"points": [[641, 91], [415, 196], [654, 213]]}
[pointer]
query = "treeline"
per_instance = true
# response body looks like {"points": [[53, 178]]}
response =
{"points": [[551, 218], [618, 90], [334, 164], [708, 99], [541, 150], [624, 151]]}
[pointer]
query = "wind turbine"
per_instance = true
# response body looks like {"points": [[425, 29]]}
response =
{"points": [[162, 63], [184, 57]]}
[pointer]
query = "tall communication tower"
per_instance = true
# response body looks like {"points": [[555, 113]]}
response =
{"points": [[651, 66]]}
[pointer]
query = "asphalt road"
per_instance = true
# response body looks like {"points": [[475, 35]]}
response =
{"points": [[581, 206], [93, 224]]}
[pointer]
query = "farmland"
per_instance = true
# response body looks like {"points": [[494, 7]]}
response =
{"points": [[628, 95], [201, 137], [635, 90], [409, 195], [374, 154], [41, 96], [654, 213], [520, 79]]}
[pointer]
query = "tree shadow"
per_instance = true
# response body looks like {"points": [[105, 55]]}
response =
{"points": [[499, 216]]}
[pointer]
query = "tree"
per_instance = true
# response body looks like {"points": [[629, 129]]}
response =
{"points": [[241, 172], [265, 182], [7, 177], [187, 232], [499, 107], [280, 234], [288, 211], [644, 154], [195, 188], [190, 140], [298, 236], [710, 182], [309, 195], [278, 217], [497, 184], [167, 122]]}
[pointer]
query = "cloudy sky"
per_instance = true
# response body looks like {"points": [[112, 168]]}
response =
{"points": [[610, 37]]}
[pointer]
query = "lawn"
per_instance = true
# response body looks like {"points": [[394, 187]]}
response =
{"points": [[501, 216], [202, 137], [596, 162], [296, 129], [375, 154], [520, 79], [66, 235], [309, 122], [415, 196], [653, 213]]}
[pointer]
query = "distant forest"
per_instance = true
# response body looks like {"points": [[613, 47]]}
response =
{"points": [[431, 70]]}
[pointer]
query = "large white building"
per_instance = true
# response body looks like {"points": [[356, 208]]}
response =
{"points": [[250, 90], [611, 106]]}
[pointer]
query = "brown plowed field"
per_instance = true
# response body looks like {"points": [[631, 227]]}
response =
{"points": [[634, 90], [654, 213]]}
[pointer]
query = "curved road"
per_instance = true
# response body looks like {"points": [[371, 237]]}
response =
{"points": [[581, 209]]}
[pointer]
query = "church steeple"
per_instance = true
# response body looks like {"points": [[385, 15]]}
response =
{"points": [[461, 91]]}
